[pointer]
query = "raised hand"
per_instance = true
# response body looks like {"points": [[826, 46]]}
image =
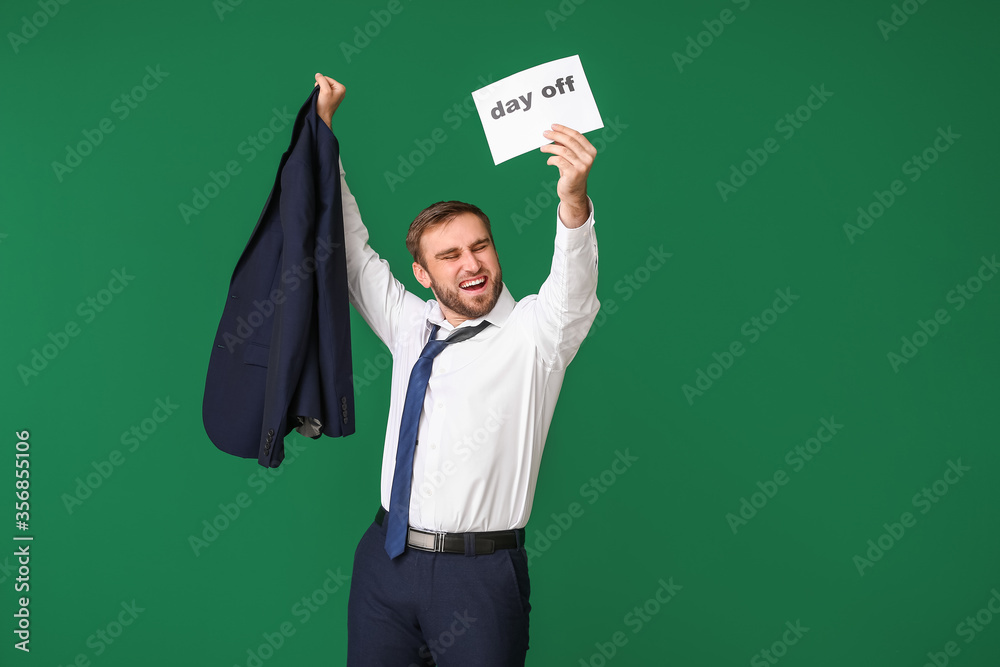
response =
{"points": [[331, 94], [574, 155]]}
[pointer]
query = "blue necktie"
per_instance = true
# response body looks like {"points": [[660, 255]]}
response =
{"points": [[399, 500]]}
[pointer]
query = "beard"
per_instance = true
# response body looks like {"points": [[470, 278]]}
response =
{"points": [[469, 307]]}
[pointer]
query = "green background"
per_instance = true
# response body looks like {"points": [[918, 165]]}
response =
{"points": [[674, 133]]}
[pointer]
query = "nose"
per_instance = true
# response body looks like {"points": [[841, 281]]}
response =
{"points": [[470, 264]]}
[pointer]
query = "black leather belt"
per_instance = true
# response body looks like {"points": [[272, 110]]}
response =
{"points": [[455, 543]]}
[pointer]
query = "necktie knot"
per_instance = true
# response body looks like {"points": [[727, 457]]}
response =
{"points": [[436, 347]]}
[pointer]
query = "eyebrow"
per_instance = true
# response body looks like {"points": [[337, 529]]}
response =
{"points": [[441, 254]]}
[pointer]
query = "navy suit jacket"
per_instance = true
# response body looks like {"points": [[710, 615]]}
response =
{"points": [[282, 354]]}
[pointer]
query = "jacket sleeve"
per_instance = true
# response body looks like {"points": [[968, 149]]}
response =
{"points": [[374, 291], [567, 301]]}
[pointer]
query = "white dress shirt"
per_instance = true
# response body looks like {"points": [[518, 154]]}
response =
{"points": [[490, 398]]}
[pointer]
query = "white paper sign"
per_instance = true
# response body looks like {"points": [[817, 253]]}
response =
{"points": [[516, 110]]}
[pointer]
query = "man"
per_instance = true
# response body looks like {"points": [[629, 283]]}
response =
{"points": [[444, 575]]}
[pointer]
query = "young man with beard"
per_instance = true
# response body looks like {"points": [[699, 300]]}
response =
{"points": [[442, 572]]}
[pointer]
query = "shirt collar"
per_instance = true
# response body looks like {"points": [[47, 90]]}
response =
{"points": [[497, 316]]}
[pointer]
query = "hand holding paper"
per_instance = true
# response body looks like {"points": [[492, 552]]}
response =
{"points": [[516, 110], [574, 155]]}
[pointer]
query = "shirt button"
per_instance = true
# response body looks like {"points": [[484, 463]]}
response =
{"points": [[439, 405], [434, 445]]}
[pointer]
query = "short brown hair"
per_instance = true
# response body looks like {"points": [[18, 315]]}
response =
{"points": [[437, 214]]}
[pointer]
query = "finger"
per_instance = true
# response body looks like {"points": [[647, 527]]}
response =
{"points": [[568, 141], [578, 136], [336, 86], [558, 161], [577, 142], [568, 135], [565, 151], [579, 160]]}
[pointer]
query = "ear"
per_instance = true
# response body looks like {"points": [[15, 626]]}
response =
{"points": [[421, 275]]}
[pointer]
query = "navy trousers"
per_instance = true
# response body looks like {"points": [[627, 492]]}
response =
{"points": [[424, 608]]}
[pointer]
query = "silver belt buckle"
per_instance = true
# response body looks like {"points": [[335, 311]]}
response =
{"points": [[424, 540]]}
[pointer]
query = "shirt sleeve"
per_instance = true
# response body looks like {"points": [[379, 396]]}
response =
{"points": [[567, 302], [374, 291]]}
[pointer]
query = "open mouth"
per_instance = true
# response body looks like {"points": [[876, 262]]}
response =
{"points": [[474, 285]]}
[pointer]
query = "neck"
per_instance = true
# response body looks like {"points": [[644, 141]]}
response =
{"points": [[454, 319]]}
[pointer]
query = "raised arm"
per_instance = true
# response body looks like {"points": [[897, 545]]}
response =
{"points": [[374, 291], [567, 301]]}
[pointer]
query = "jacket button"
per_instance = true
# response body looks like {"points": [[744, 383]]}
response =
{"points": [[270, 431], [345, 420]]}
